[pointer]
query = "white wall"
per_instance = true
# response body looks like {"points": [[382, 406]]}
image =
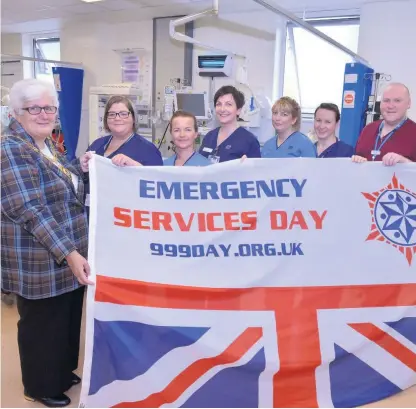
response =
{"points": [[11, 44], [237, 33], [93, 45], [387, 41], [242, 34], [11, 71]]}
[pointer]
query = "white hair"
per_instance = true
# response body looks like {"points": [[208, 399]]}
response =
{"points": [[31, 90]]}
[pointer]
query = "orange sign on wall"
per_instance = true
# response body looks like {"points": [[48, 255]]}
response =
{"points": [[349, 99]]}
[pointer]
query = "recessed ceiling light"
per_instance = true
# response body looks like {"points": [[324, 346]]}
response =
{"points": [[91, 1]]}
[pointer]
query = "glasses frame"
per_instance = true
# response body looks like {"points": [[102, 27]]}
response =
{"points": [[41, 109], [117, 114]]}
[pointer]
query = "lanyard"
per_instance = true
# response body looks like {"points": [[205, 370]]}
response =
{"points": [[109, 141], [187, 160], [377, 148]]}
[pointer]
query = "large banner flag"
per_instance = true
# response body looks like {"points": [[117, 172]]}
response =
{"points": [[267, 283]]}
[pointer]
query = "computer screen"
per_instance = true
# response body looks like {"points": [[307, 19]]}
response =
{"points": [[192, 102]]}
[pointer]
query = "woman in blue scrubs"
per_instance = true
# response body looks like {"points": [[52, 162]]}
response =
{"points": [[123, 139], [288, 142], [184, 131], [124, 146], [229, 141], [327, 118]]}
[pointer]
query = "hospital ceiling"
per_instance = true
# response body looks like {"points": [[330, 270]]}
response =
{"points": [[42, 15]]}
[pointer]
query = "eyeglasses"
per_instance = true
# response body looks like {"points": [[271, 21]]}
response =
{"points": [[121, 114], [35, 110]]}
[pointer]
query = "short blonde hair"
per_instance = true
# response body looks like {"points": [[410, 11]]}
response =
{"points": [[289, 105]]}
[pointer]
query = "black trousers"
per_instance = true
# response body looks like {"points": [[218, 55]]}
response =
{"points": [[48, 334]]}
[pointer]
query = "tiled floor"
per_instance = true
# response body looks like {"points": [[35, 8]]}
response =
{"points": [[12, 391]]}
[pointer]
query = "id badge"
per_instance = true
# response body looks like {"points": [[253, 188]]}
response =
{"points": [[375, 153], [214, 159]]}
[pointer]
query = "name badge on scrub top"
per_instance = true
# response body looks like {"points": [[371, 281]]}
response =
{"points": [[214, 159]]}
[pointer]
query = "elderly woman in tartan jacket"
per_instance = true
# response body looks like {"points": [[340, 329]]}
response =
{"points": [[44, 243]]}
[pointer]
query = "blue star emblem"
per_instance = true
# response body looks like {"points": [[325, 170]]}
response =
{"points": [[395, 215]]}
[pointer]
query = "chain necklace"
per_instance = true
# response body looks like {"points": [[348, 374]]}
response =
{"points": [[55, 161]]}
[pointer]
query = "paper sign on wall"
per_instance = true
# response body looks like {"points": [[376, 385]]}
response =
{"points": [[130, 66]]}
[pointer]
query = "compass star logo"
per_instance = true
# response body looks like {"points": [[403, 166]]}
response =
{"points": [[393, 212]]}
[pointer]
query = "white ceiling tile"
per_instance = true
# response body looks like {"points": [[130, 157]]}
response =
{"points": [[17, 11], [15, 4], [135, 2], [84, 8], [32, 26], [157, 3], [116, 5], [58, 3], [46, 14], [5, 21], [11, 5]]}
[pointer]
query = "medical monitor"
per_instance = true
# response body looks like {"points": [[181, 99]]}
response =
{"points": [[193, 102], [215, 65]]}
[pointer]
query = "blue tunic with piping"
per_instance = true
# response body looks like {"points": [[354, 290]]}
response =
{"points": [[195, 160], [296, 145]]}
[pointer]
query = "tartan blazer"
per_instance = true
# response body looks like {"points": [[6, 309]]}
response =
{"points": [[43, 218]]}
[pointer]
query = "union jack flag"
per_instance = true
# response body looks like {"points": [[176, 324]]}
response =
{"points": [[162, 345]]}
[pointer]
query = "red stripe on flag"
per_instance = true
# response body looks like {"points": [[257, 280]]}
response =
{"points": [[387, 342], [132, 292], [235, 351]]}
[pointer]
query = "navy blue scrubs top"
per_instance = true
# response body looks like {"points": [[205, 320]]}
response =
{"points": [[338, 150], [136, 148], [241, 142]]}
